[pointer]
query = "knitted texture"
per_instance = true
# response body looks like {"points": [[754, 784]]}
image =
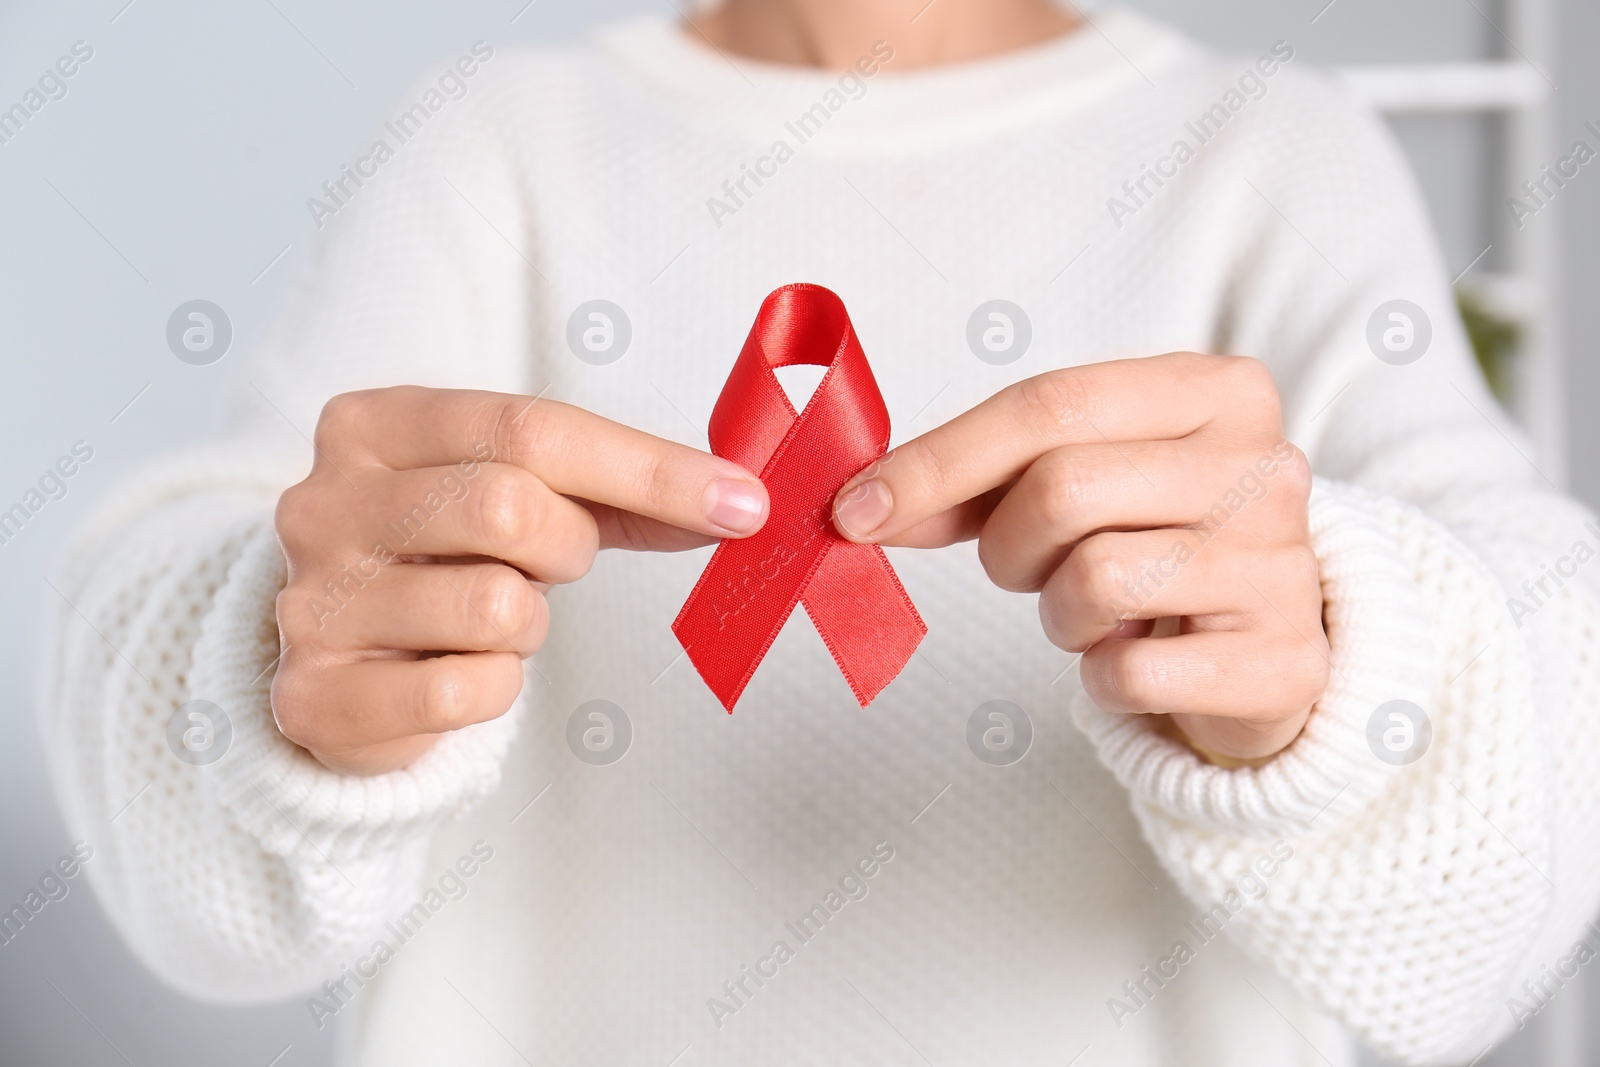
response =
{"points": [[1024, 913]]}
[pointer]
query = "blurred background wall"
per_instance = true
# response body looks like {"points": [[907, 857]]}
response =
{"points": [[177, 167]]}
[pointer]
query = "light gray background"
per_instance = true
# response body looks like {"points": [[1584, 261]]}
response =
{"points": [[180, 164]]}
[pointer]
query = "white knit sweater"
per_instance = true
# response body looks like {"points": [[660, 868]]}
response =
{"points": [[532, 907]]}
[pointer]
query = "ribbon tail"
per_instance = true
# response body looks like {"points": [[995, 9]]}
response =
{"points": [[726, 633], [865, 617]]}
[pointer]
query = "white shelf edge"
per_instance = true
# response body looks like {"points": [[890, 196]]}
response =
{"points": [[1448, 87]]}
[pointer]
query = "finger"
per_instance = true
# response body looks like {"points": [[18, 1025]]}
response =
{"points": [[499, 511], [1159, 398], [440, 607], [339, 708], [574, 452], [1070, 492], [964, 522], [1210, 674], [636, 533], [1111, 578]]}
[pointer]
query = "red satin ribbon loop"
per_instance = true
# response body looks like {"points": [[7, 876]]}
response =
{"points": [[751, 586]]}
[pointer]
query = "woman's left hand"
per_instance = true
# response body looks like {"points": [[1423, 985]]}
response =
{"points": [[1157, 509]]}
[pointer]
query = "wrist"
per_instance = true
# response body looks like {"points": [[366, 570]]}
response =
{"points": [[1234, 743]]}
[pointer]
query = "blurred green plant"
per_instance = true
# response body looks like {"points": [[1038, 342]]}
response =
{"points": [[1494, 342]]}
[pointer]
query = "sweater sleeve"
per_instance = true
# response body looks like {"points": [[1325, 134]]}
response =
{"points": [[1439, 861], [234, 863]]}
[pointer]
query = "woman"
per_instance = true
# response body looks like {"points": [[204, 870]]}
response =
{"points": [[1312, 774]]}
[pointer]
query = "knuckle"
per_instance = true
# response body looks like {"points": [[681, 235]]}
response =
{"points": [[934, 468], [1141, 682], [297, 516], [526, 428], [298, 618], [444, 697], [538, 625], [1300, 571], [997, 564], [1252, 389], [1054, 401], [583, 558], [1051, 618], [1057, 616], [1098, 573], [1069, 488], [506, 507], [654, 484], [1308, 666], [569, 566], [1192, 370], [1295, 472], [508, 426], [499, 679], [1241, 370], [1116, 678], [504, 598], [344, 418], [664, 480], [294, 703]]}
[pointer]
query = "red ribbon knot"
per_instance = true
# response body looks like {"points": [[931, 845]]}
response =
{"points": [[751, 586]]}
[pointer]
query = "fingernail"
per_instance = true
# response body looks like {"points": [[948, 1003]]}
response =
{"points": [[863, 509], [734, 505]]}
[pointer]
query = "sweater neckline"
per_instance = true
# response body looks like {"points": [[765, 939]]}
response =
{"points": [[892, 110]]}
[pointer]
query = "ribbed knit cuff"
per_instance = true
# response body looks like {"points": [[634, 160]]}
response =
{"points": [[276, 790], [1382, 648]]}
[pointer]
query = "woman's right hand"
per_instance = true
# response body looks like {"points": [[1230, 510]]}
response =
{"points": [[422, 543]]}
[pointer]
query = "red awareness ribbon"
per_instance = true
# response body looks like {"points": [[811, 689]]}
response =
{"points": [[751, 586]]}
